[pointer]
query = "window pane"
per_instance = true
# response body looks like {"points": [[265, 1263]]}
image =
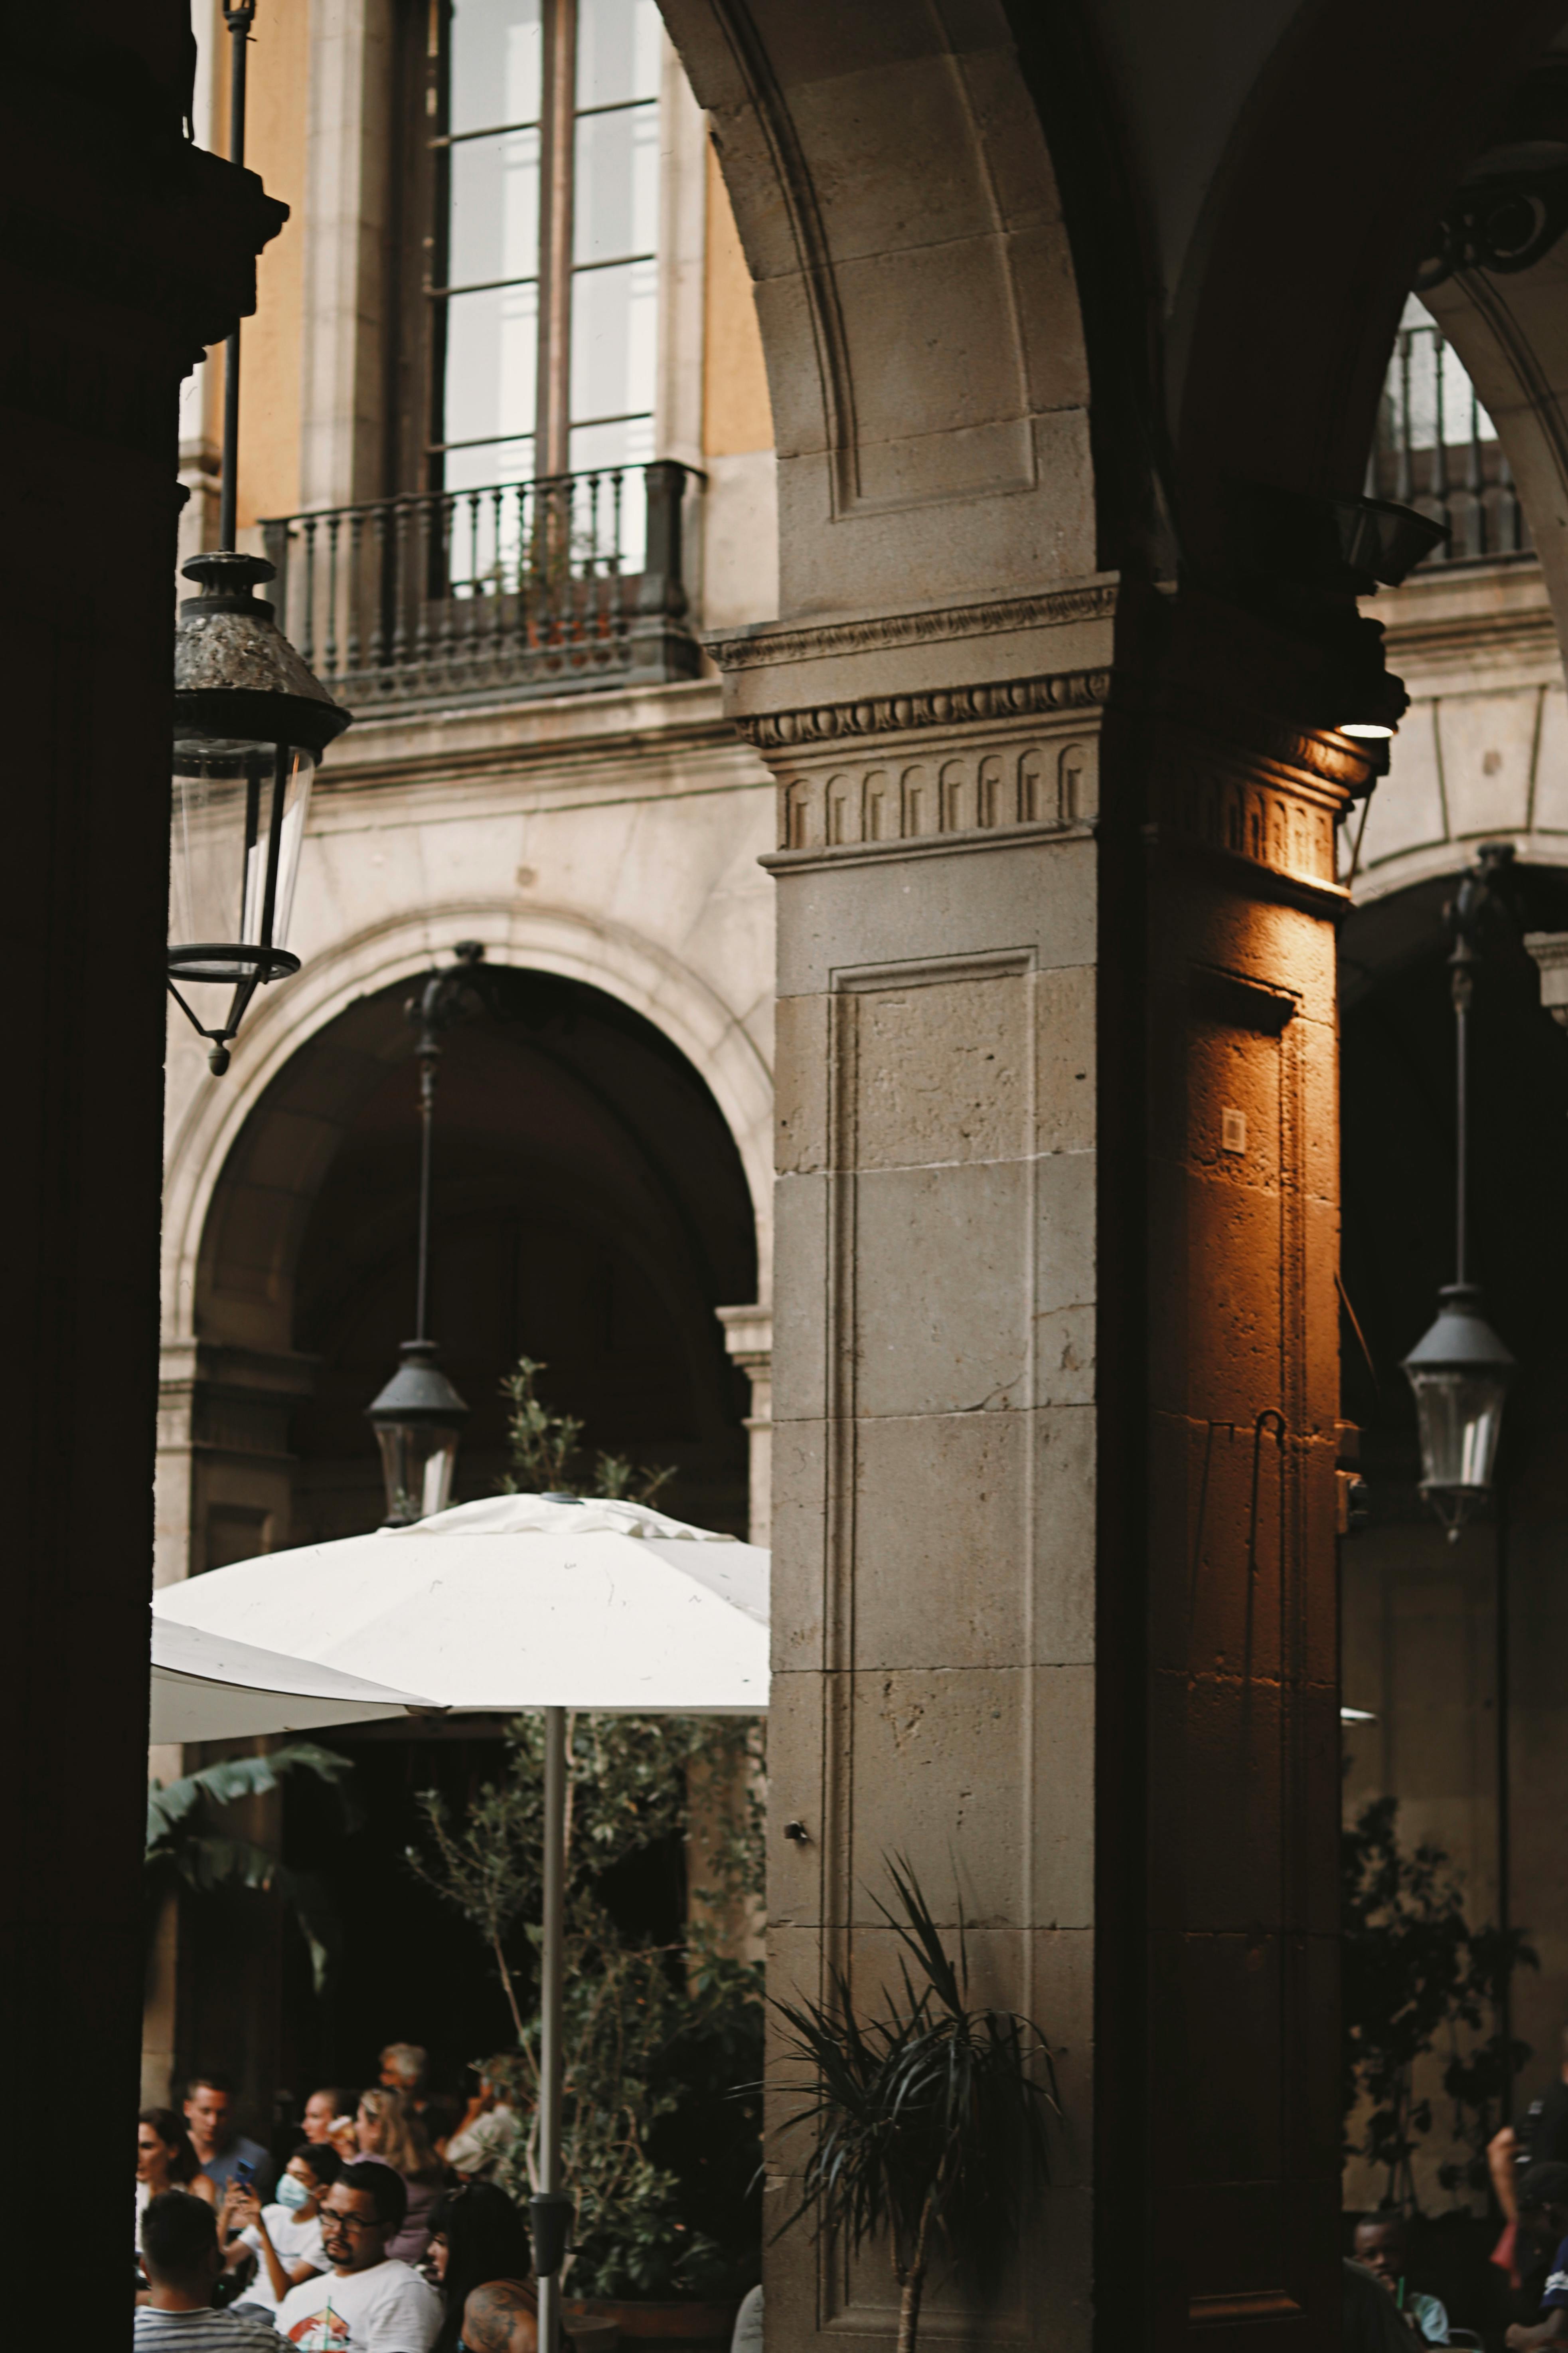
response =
{"points": [[617, 51], [495, 63], [613, 515], [615, 320], [495, 208], [616, 209], [491, 350], [486, 462]]}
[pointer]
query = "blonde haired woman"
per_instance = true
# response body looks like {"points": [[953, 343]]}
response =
{"points": [[390, 2133]]}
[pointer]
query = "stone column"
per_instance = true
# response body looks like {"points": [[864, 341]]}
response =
{"points": [[1055, 1407], [125, 252], [748, 1338]]}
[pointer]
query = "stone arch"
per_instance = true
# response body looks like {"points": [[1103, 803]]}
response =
{"points": [[713, 1039], [897, 204]]}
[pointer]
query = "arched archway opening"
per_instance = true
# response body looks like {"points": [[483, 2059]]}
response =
{"points": [[1449, 1646], [589, 1209]]}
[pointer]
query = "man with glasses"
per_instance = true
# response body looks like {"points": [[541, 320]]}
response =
{"points": [[368, 2302]]}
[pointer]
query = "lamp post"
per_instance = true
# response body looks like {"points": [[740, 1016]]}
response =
{"points": [[418, 1417], [250, 723], [1460, 1370]]}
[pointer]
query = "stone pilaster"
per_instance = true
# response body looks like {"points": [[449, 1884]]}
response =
{"points": [[934, 1348], [225, 1472], [749, 1339]]}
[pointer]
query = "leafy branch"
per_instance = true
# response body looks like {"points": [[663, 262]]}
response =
{"points": [[543, 1449], [185, 1844]]}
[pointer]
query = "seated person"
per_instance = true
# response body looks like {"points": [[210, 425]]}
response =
{"points": [[487, 2131], [501, 2317], [181, 2257], [1383, 2247], [284, 2239], [1543, 2221], [368, 2302], [480, 2240], [1371, 2323]]}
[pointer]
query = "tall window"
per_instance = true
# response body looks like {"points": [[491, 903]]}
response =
{"points": [[541, 123]]}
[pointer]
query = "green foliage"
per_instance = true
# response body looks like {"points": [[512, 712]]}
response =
{"points": [[185, 1843], [1414, 1973], [544, 1453], [655, 2036], [926, 2117]]}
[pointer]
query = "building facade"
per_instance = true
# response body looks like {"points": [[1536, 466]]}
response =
{"points": [[775, 490]]}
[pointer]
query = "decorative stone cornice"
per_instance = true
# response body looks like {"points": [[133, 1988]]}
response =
{"points": [[768, 646], [943, 708]]}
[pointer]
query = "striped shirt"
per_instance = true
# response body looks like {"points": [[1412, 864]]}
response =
{"points": [[203, 2332]]}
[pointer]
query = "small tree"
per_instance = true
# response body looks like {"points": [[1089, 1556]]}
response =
{"points": [[654, 2035], [928, 2119], [1416, 1972], [544, 1453]]}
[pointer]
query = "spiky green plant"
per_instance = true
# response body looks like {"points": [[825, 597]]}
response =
{"points": [[928, 2119]]}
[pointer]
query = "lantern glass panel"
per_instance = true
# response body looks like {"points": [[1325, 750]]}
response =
{"points": [[1461, 1418], [239, 810], [418, 1460]]}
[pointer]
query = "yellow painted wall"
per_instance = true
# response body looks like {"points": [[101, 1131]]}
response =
{"points": [[270, 344], [736, 413]]}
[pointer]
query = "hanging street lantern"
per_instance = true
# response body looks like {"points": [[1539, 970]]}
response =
{"points": [[418, 1417], [1461, 1370], [250, 724]]}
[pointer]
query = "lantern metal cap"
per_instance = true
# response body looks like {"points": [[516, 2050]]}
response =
{"points": [[419, 1392], [235, 674], [1461, 1340]]}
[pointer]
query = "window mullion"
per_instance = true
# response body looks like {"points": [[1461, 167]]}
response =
{"points": [[557, 163]]}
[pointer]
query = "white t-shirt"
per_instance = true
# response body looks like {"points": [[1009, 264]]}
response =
{"points": [[387, 2309], [296, 2242]]}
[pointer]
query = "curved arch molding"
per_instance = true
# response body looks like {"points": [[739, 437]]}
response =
{"points": [[712, 1035]]}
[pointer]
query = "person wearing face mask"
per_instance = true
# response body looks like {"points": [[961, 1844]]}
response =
{"points": [[286, 2238]]}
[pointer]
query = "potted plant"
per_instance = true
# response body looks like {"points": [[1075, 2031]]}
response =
{"points": [[928, 2116]]}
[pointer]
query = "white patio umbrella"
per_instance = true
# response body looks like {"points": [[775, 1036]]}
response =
{"points": [[209, 1687], [518, 1603]]}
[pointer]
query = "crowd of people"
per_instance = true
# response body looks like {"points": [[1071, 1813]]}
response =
{"points": [[1389, 2309], [383, 2233]]}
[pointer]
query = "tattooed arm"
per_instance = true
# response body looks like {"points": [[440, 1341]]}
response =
{"points": [[500, 2318]]}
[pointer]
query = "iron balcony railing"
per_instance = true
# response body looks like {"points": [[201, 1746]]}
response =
{"points": [[1437, 450], [518, 589]]}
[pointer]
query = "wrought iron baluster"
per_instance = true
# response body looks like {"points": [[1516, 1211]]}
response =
{"points": [[400, 583], [334, 526], [498, 531], [1510, 516], [1439, 478], [307, 636], [1403, 484], [355, 585], [422, 578], [1475, 485], [380, 590]]}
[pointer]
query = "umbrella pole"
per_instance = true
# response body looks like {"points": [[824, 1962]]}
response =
{"points": [[551, 1960]]}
